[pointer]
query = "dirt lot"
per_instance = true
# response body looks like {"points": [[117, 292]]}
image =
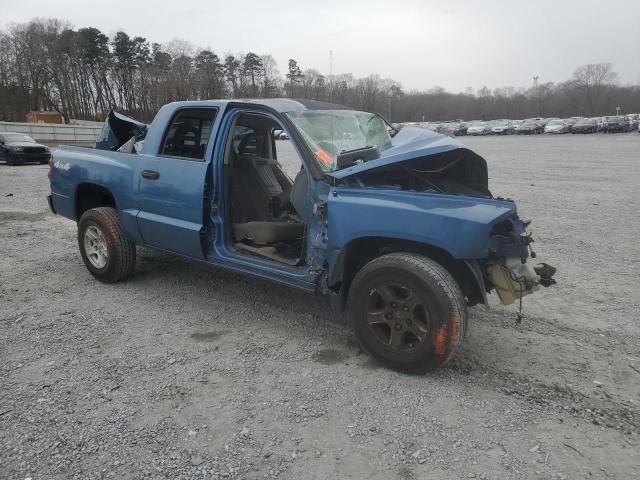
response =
{"points": [[186, 372]]}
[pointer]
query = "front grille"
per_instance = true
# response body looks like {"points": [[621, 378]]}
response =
{"points": [[34, 150]]}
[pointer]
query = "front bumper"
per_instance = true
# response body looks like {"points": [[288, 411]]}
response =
{"points": [[24, 157]]}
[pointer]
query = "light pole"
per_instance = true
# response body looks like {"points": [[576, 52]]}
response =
{"points": [[535, 93]]}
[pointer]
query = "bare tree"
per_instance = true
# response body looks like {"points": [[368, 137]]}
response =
{"points": [[47, 64], [591, 82]]}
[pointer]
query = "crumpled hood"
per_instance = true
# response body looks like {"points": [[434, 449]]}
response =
{"points": [[407, 144]]}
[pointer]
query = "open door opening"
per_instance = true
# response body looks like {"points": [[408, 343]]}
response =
{"points": [[264, 180]]}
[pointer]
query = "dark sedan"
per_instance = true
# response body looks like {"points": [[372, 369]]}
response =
{"points": [[530, 128], [18, 148], [616, 124], [586, 125]]}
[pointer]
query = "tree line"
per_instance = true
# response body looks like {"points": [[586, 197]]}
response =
{"points": [[83, 73]]}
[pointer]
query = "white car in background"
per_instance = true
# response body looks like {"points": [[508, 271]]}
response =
{"points": [[557, 126], [479, 129], [503, 127], [634, 120]]}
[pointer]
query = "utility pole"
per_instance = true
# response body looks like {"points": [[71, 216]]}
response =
{"points": [[330, 75], [535, 94]]}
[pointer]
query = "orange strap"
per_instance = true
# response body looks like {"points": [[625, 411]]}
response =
{"points": [[323, 156]]}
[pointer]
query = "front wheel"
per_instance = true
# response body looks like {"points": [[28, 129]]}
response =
{"points": [[106, 251], [408, 311]]}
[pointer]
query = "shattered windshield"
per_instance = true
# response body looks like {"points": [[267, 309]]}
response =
{"points": [[332, 132]]}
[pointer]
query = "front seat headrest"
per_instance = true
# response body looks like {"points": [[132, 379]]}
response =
{"points": [[252, 144]]}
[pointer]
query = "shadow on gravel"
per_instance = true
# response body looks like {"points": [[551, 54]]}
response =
{"points": [[234, 287], [22, 217], [485, 358], [329, 356], [207, 336]]}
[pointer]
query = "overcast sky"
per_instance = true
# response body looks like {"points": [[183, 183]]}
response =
{"points": [[422, 44]]}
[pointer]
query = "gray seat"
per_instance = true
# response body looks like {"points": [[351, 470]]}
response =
{"points": [[254, 190]]}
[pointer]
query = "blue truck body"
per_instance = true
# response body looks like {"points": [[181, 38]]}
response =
{"points": [[182, 211]]}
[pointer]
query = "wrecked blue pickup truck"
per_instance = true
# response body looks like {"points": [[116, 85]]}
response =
{"points": [[397, 225]]}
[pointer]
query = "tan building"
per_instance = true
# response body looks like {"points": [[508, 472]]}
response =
{"points": [[44, 117]]}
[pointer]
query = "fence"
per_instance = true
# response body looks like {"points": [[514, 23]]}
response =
{"points": [[55, 134]]}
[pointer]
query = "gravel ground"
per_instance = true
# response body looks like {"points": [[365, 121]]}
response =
{"points": [[188, 372]]}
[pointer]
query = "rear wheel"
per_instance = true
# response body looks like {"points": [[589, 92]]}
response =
{"points": [[408, 311], [106, 251]]}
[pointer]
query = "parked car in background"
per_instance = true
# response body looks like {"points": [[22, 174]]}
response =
{"points": [[586, 125], [516, 125], [572, 121], [16, 148], [479, 129], [460, 130], [538, 120], [530, 127], [557, 126], [447, 128], [634, 120], [616, 124], [503, 127]]}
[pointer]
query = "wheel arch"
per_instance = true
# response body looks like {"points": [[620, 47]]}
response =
{"points": [[90, 195], [358, 252]]}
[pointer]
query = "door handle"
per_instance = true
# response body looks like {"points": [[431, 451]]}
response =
{"points": [[150, 174]]}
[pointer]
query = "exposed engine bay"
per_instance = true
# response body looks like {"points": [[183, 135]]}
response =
{"points": [[455, 172], [511, 269]]}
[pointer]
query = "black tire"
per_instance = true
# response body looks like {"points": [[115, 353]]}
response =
{"points": [[440, 317], [120, 251]]}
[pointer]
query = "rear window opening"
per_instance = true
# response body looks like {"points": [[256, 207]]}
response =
{"points": [[188, 134]]}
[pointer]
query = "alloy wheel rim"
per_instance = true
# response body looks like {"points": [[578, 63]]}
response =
{"points": [[95, 246], [398, 318]]}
